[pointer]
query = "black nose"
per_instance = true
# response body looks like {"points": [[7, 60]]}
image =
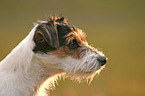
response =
{"points": [[102, 60]]}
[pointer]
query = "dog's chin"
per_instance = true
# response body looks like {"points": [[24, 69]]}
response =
{"points": [[84, 76]]}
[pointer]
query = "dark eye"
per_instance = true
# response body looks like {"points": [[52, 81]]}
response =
{"points": [[73, 45]]}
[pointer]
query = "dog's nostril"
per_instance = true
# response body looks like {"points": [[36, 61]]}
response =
{"points": [[102, 60]]}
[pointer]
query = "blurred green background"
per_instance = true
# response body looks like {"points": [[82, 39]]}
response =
{"points": [[115, 26]]}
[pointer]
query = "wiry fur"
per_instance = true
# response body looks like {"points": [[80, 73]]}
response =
{"points": [[26, 68]]}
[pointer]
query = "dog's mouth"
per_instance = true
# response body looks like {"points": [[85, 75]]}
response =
{"points": [[95, 66], [88, 72], [95, 62]]}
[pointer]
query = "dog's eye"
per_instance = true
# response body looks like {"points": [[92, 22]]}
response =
{"points": [[73, 44]]}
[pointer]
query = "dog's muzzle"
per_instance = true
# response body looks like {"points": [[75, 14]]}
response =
{"points": [[95, 61]]}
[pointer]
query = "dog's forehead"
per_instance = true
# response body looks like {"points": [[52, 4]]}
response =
{"points": [[63, 29], [55, 33], [66, 31]]}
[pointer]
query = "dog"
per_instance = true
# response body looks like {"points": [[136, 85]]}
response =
{"points": [[52, 48]]}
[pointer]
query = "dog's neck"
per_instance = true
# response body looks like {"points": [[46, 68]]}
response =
{"points": [[20, 72]]}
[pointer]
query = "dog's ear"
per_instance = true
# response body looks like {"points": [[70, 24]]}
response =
{"points": [[46, 38]]}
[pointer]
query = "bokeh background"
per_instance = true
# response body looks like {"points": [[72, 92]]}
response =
{"points": [[115, 26]]}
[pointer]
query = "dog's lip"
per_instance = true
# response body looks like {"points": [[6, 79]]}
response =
{"points": [[102, 67], [93, 69]]}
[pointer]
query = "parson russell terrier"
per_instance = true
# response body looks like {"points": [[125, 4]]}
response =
{"points": [[52, 48]]}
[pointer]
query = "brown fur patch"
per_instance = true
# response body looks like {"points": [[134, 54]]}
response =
{"points": [[78, 35], [78, 53], [65, 51]]}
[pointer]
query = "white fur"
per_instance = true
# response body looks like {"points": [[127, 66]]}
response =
{"points": [[19, 75], [22, 72]]}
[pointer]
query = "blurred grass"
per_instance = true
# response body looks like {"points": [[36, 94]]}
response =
{"points": [[116, 27]]}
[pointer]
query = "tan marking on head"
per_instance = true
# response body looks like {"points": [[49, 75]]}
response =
{"points": [[65, 51], [61, 52], [78, 53], [78, 35]]}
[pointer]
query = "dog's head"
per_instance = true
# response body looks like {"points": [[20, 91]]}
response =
{"points": [[62, 46]]}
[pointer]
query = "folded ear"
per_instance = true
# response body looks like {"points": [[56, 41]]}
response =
{"points": [[46, 38]]}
